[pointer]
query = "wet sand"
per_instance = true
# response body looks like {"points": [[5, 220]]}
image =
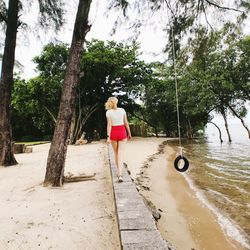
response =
{"points": [[185, 221]]}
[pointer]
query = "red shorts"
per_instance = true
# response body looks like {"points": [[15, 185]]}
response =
{"points": [[118, 133]]}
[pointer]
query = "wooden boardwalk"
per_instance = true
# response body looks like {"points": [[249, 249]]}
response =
{"points": [[136, 223]]}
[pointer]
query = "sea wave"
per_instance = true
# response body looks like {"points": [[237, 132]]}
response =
{"points": [[228, 226], [230, 172]]}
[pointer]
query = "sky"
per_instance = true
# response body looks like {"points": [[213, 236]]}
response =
{"points": [[28, 47], [152, 39]]}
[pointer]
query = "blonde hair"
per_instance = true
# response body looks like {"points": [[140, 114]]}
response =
{"points": [[111, 103]]}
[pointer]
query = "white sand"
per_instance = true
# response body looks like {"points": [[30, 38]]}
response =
{"points": [[79, 215]]}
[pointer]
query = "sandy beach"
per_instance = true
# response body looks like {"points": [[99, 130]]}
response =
{"points": [[79, 215], [82, 215], [185, 221]]}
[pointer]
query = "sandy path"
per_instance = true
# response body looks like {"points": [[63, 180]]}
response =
{"points": [[79, 215]]}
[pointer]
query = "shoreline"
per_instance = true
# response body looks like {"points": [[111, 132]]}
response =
{"points": [[84, 212], [186, 222], [229, 227]]}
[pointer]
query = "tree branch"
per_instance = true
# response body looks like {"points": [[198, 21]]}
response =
{"points": [[3, 18], [169, 7], [52, 116], [222, 7], [204, 10], [198, 7], [218, 130]]}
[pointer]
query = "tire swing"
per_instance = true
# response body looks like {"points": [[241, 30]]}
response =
{"points": [[180, 159]]}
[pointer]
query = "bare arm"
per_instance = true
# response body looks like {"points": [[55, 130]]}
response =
{"points": [[127, 126], [109, 124]]}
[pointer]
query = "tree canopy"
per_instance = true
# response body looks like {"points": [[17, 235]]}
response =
{"points": [[212, 74], [109, 68]]}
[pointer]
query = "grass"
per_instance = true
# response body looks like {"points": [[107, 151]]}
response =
{"points": [[32, 143]]}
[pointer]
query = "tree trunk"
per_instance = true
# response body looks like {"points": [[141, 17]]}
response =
{"points": [[218, 130], [242, 121], [6, 148], [156, 132], [72, 128], [84, 120], [190, 130], [226, 126], [58, 149], [150, 124]]}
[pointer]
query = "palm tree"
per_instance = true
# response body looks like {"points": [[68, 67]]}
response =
{"points": [[50, 12]]}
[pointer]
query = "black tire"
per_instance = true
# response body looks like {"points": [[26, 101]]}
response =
{"points": [[186, 163]]}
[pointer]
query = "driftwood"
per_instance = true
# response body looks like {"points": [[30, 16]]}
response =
{"points": [[21, 148], [81, 141], [75, 178]]}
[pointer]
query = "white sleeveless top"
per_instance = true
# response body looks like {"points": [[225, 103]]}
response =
{"points": [[116, 115]]}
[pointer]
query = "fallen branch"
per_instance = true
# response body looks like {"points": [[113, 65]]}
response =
{"points": [[81, 177]]}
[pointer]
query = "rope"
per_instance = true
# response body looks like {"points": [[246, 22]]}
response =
{"points": [[180, 157], [176, 91]]}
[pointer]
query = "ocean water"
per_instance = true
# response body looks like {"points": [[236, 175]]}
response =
{"points": [[220, 173]]}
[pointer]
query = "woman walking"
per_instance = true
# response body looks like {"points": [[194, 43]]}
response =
{"points": [[118, 132]]}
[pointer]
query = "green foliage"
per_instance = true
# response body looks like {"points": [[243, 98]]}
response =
{"points": [[111, 69], [52, 62], [51, 13], [220, 68], [212, 74], [107, 69], [40, 96], [161, 105], [22, 111]]}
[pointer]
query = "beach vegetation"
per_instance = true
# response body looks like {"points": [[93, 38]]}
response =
{"points": [[207, 83], [210, 65], [108, 68]]}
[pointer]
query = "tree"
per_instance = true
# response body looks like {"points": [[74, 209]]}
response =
{"points": [[207, 72], [160, 107], [241, 73], [45, 89], [214, 70], [180, 17], [23, 117], [181, 20], [109, 68], [6, 154], [35, 101], [51, 12], [58, 149]]}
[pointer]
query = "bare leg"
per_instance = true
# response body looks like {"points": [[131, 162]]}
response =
{"points": [[115, 149], [120, 152]]}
